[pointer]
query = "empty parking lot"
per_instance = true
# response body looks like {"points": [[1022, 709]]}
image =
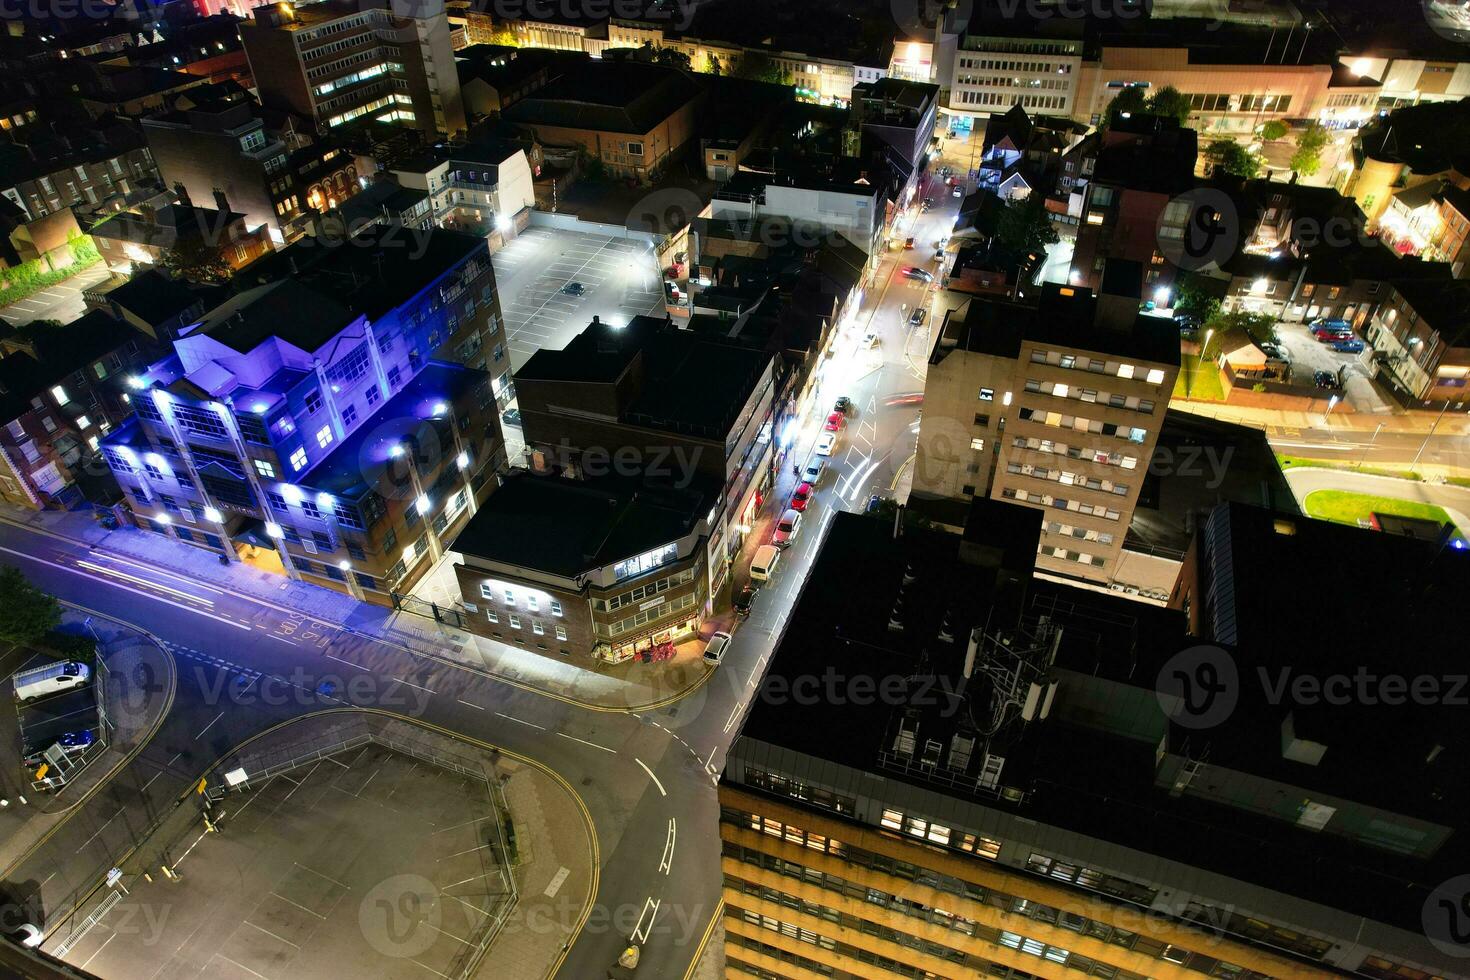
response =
{"points": [[620, 279]]}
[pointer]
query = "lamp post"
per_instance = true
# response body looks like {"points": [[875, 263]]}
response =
{"points": [[1429, 435], [1368, 448]]}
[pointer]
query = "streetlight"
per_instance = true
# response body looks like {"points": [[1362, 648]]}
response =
{"points": [[1429, 435], [1366, 449]]}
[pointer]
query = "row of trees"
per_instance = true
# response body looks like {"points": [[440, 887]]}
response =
{"points": [[1235, 159]]}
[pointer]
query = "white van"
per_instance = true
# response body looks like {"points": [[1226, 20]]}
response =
{"points": [[715, 652], [61, 676], [764, 562]]}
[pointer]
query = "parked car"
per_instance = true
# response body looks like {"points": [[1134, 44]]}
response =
{"points": [[813, 472], [874, 502], [786, 528], [958, 192], [763, 565], [511, 416], [1325, 379], [917, 317], [1329, 334], [714, 651], [1337, 324], [1187, 321], [826, 442], [908, 243], [801, 496], [870, 339], [843, 405], [928, 203], [1349, 345], [72, 743], [574, 288], [914, 272], [835, 422], [744, 599]]}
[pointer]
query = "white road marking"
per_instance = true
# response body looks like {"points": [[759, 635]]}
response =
{"points": [[208, 726], [591, 744], [470, 703], [667, 861], [520, 722], [556, 882], [661, 790], [412, 684], [640, 932]]}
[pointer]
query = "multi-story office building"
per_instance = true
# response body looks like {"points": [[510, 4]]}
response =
{"points": [[336, 61], [659, 402], [607, 567], [997, 67], [333, 420], [958, 769], [1057, 406], [61, 390]]}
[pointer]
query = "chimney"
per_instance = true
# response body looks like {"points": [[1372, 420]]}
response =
{"points": [[182, 193], [221, 202]]}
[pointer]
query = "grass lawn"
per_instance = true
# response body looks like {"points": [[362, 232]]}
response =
{"points": [[1196, 381], [1346, 507], [1292, 462]]}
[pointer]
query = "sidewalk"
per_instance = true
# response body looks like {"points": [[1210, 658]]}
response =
{"points": [[135, 710], [1419, 422]]}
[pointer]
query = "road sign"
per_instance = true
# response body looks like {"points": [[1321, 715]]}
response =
{"points": [[114, 876], [203, 785], [235, 777]]}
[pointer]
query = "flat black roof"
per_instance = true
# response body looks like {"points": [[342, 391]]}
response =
{"points": [[609, 96], [567, 527]]}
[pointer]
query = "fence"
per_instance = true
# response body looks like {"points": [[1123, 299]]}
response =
{"points": [[429, 610]]}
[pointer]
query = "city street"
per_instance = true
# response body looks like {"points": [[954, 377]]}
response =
{"points": [[637, 774]]}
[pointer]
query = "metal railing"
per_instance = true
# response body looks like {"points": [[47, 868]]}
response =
{"points": [[93, 917]]}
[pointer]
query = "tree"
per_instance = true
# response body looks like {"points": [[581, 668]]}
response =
{"points": [[1260, 327], [1233, 158], [1193, 299], [758, 68], [1170, 103], [1128, 102], [29, 613], [1023, 224], [670, 58], [712, 64], [505, 37], [1307, 159], [1273, 130], [197, 260]]}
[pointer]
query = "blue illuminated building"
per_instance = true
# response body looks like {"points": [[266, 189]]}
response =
{"points": [[335, 419]]}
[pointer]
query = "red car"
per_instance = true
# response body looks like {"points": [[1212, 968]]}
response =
{"points": [[801, 497], [835, 421]]}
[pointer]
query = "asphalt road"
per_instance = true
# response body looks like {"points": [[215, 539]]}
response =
{"points": [[647, 780], [1364, 448]]}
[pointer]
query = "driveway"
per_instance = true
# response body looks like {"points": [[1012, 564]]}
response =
{"points": [[1309, 355], [619, 277], [61, 302]]}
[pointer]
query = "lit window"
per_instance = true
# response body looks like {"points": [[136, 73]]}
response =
{"points": [[987, 394], [1156, 376], [532, 603], [83, 422], [561, 632], [892, 819], [266, 469], [59, 393], [977, 444], [324, 436], [510, 597], [298, 458], [556, 607], [486, 592], [1125, 370]]}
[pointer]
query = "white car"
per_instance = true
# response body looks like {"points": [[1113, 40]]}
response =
{"points": [[813, 472], [786, 528], [870, 339], [715, 651], [826, 443]]}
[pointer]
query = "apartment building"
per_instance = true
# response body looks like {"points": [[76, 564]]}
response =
{"points": [[484, 188], [662, 403], [332, 421], [1055, 405], [1420, 334], [139, 239], [608, 567], [97, 166], [1134, 207], [336, 61], [61, 390], [1019, 800]]}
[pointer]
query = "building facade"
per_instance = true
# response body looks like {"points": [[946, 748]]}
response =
{"points": [[335, 61], [334, 420]]}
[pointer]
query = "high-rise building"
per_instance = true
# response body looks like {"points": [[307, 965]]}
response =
{"points": [[336, 61], [1056, 405], [334, 419], [956, 769]]}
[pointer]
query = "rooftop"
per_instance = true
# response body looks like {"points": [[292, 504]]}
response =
{"points": [[153, 297], [684, 382], [52, 354], [607, 96], [568, 527]]}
